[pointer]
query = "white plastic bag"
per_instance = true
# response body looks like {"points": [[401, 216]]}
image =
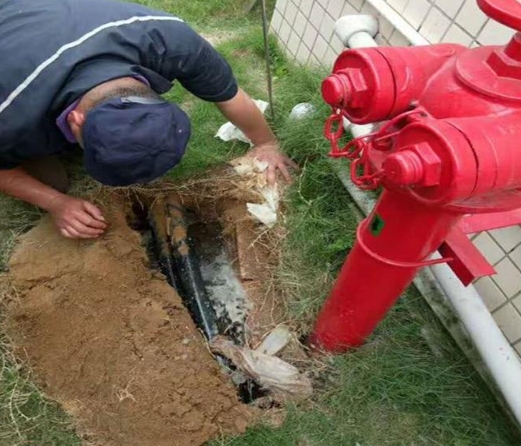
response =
{"points": [[266, 212], [276, 340], [302, 110], [272, 373], [228, 132]]}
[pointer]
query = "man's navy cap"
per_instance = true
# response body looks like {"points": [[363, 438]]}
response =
{"points": [[133, 140]]}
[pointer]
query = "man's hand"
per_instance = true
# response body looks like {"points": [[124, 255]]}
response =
{"points": [[76, 218], [276, 160], [243, 113]]}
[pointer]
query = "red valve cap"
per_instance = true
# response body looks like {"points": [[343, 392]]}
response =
{"points": [[415, 164], [404, 168], [336, 90]]}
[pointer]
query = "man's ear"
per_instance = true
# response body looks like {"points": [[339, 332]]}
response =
{"points": [[76, 119]]}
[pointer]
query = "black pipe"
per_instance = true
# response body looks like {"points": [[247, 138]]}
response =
{"points": [[179, 263], [162, 250], [179, 260]]}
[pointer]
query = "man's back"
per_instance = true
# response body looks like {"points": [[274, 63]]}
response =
{"points": [[53, 51]]}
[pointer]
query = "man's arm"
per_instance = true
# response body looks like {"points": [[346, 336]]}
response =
{"points": [[205, 73], [75, 218], [243, 113]]}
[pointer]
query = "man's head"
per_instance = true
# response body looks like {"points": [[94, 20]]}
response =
{"points": [[128, 132]]}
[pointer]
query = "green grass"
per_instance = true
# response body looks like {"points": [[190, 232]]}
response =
{"points": [[26, 417], [398, 389], [410, 385]]}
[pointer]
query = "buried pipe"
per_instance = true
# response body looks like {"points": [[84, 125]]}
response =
{"points": [[179, 262], [494, 349]]}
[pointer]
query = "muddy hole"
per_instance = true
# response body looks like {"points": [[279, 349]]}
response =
{"points": [[169, 329], [196, 259]]}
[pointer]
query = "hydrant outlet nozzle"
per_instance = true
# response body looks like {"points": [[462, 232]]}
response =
{"points": [[336, 90], [404, 168]]}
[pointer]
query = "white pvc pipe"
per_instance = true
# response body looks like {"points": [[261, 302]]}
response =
{"points": [[361, 40], [494, 349], [357, 31]]}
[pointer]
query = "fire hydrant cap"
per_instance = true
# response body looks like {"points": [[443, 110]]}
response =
{"points": [[404, 168], [335, 90]]}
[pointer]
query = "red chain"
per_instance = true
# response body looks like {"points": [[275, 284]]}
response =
{"points": [[363, 174], [356, 150], [334, 136], [368, 179]]}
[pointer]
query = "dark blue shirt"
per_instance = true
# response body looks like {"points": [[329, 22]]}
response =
{"points": [[53, 51]]}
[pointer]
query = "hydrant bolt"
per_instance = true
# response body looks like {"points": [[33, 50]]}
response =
{"points": [[360, 94]]}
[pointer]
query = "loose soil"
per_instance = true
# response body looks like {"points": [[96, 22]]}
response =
{"points": [[107, 338], [111, 341]]}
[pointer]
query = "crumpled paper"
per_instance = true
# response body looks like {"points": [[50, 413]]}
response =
{"points": [[253, 169], [228, 132], [266, 212]]}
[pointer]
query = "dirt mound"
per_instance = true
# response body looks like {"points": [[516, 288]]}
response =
{"points": [[111, 341]]}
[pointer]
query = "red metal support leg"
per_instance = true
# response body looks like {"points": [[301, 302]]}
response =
{"points": [[392, 244]]}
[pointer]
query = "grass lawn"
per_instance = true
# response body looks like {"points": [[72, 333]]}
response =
{"points": [[398, 389]]}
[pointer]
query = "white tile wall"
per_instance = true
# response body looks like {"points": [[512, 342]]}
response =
{"points": [[507, 238], [494, 33], [334, 7], [293, 43], [449, 7], [310, 35], [303, 52], [509, 320], [508, 277], [416, 11], [317, 14], [456, 34], [305, 30], [471, 18], [349, 9], [305, 7], [458, 21], [435, 26], [491, 293], [386, 28], [327, 27], [398, 5], [489, 246], [299, 25], [291, 12]]}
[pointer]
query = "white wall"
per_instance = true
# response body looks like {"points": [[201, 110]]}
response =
{"points": [[305, 30]]}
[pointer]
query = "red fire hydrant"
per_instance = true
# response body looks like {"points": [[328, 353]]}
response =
{"points": [[450, 146]]}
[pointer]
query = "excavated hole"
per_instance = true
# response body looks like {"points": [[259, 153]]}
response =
{"points": [[212, 252]]}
